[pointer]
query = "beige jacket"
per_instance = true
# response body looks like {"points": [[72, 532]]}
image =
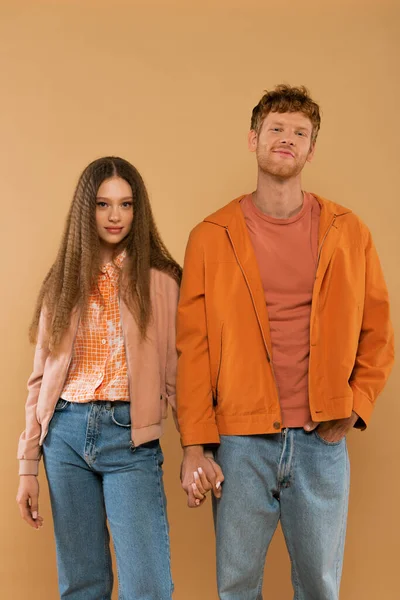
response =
{"points": [[151, 371]]}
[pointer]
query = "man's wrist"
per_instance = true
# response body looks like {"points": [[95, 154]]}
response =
{"points": [[195, 449]]}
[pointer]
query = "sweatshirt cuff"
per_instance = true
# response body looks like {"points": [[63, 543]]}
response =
{"points": [[28, 467], [363, 407]]}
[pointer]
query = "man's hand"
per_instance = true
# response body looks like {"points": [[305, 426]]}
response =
{"points": [[333, 431], [199, 474]]}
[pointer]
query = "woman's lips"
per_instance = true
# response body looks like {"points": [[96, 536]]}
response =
{"points": [[114, 230]]}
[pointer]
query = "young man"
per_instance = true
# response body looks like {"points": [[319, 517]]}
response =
{"points": [[284, 342]]}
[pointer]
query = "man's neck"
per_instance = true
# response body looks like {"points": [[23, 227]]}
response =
{"points": [[278, 198]]}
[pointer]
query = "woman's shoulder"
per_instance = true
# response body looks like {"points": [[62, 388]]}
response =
{"points": [[164, 281]]}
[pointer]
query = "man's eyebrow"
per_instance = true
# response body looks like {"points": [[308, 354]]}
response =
{"points": [[296, 126]]}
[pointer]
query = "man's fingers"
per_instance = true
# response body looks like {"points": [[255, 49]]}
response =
{"points": [[193, 502], [310, 426]]}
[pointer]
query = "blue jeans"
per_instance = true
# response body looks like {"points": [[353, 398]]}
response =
{"points": [[297, 478], [95, 475]]}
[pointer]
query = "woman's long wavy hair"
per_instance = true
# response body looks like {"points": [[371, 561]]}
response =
{"points": [[74, 274]]}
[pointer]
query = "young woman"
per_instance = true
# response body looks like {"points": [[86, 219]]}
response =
{"points": [[104, 371]]}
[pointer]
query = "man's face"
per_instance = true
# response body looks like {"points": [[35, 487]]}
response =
{"points": [[284, 144]]}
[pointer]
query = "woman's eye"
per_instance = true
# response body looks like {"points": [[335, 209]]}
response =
{"points": [[127, 204], [101, 204]]}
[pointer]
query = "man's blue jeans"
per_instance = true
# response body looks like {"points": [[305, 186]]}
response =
{"points": [[297, 478], [95, 475]]}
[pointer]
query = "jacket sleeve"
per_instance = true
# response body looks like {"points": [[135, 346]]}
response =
{"points": [[172, 357], [194, 392], [375, 355], [29, 451]]}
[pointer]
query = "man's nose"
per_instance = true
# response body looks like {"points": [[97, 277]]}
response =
{"points": [[287, 139]]}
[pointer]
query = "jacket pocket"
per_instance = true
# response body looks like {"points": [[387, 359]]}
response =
{"points": [[323, 441]]}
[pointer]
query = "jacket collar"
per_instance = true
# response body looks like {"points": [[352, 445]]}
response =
{"points": [[226, 215], [231, 218]]}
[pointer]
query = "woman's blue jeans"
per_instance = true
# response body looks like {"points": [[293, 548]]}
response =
{"points": [[96, 476]]}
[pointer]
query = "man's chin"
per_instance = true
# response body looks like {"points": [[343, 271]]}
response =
{"points": [[280, 172]]}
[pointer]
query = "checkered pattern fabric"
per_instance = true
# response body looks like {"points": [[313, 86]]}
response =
{"points": [[98, 369]]}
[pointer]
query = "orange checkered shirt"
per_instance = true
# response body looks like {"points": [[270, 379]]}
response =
{"points": [[98, 369]]}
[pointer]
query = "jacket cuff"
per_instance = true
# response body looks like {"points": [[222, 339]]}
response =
{"points": [[28, 467], [200, 434], [363, 407]]}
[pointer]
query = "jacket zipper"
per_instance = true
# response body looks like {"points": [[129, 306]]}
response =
{"points": [[318, 259], [219, 367], [127, 362], [324, 238], [255, 310]]}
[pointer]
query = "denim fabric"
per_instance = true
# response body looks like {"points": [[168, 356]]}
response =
{"points": [[95, 474], [297, 478]]}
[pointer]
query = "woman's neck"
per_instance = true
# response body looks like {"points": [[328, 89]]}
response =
{"points": [[106, 254]]}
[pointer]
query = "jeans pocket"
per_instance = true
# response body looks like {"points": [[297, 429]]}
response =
{"points": [[61, 405], [321, 439], [121, 414]]}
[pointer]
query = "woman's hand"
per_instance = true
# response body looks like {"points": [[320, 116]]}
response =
{"points": [[28, 500]]}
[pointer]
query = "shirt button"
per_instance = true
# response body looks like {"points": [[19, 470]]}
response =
{"points": [[100, 375], [277, 425], [103, 341]]}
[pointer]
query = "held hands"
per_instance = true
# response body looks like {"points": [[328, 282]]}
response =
{"points": [[333, 431], [27, 500], [200, 474]]}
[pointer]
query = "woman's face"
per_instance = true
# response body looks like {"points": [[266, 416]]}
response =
{"points": [[114, 210]]}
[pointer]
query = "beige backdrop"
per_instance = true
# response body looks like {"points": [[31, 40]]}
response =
{"points": [[170, 86]]}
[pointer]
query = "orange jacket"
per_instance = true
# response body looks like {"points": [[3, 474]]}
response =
{"points": [[225, 381]]}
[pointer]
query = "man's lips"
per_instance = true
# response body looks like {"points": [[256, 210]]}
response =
{"points": [[285, 152]]}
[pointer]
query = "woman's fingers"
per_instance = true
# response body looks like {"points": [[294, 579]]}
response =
{"points": [[199, 483], [207, 486], [196, 493], [28, 501], [219, 478], [25, 511]]}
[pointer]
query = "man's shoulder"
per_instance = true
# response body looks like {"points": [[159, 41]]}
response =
{"points": [[351, 220], [216, 222]]}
